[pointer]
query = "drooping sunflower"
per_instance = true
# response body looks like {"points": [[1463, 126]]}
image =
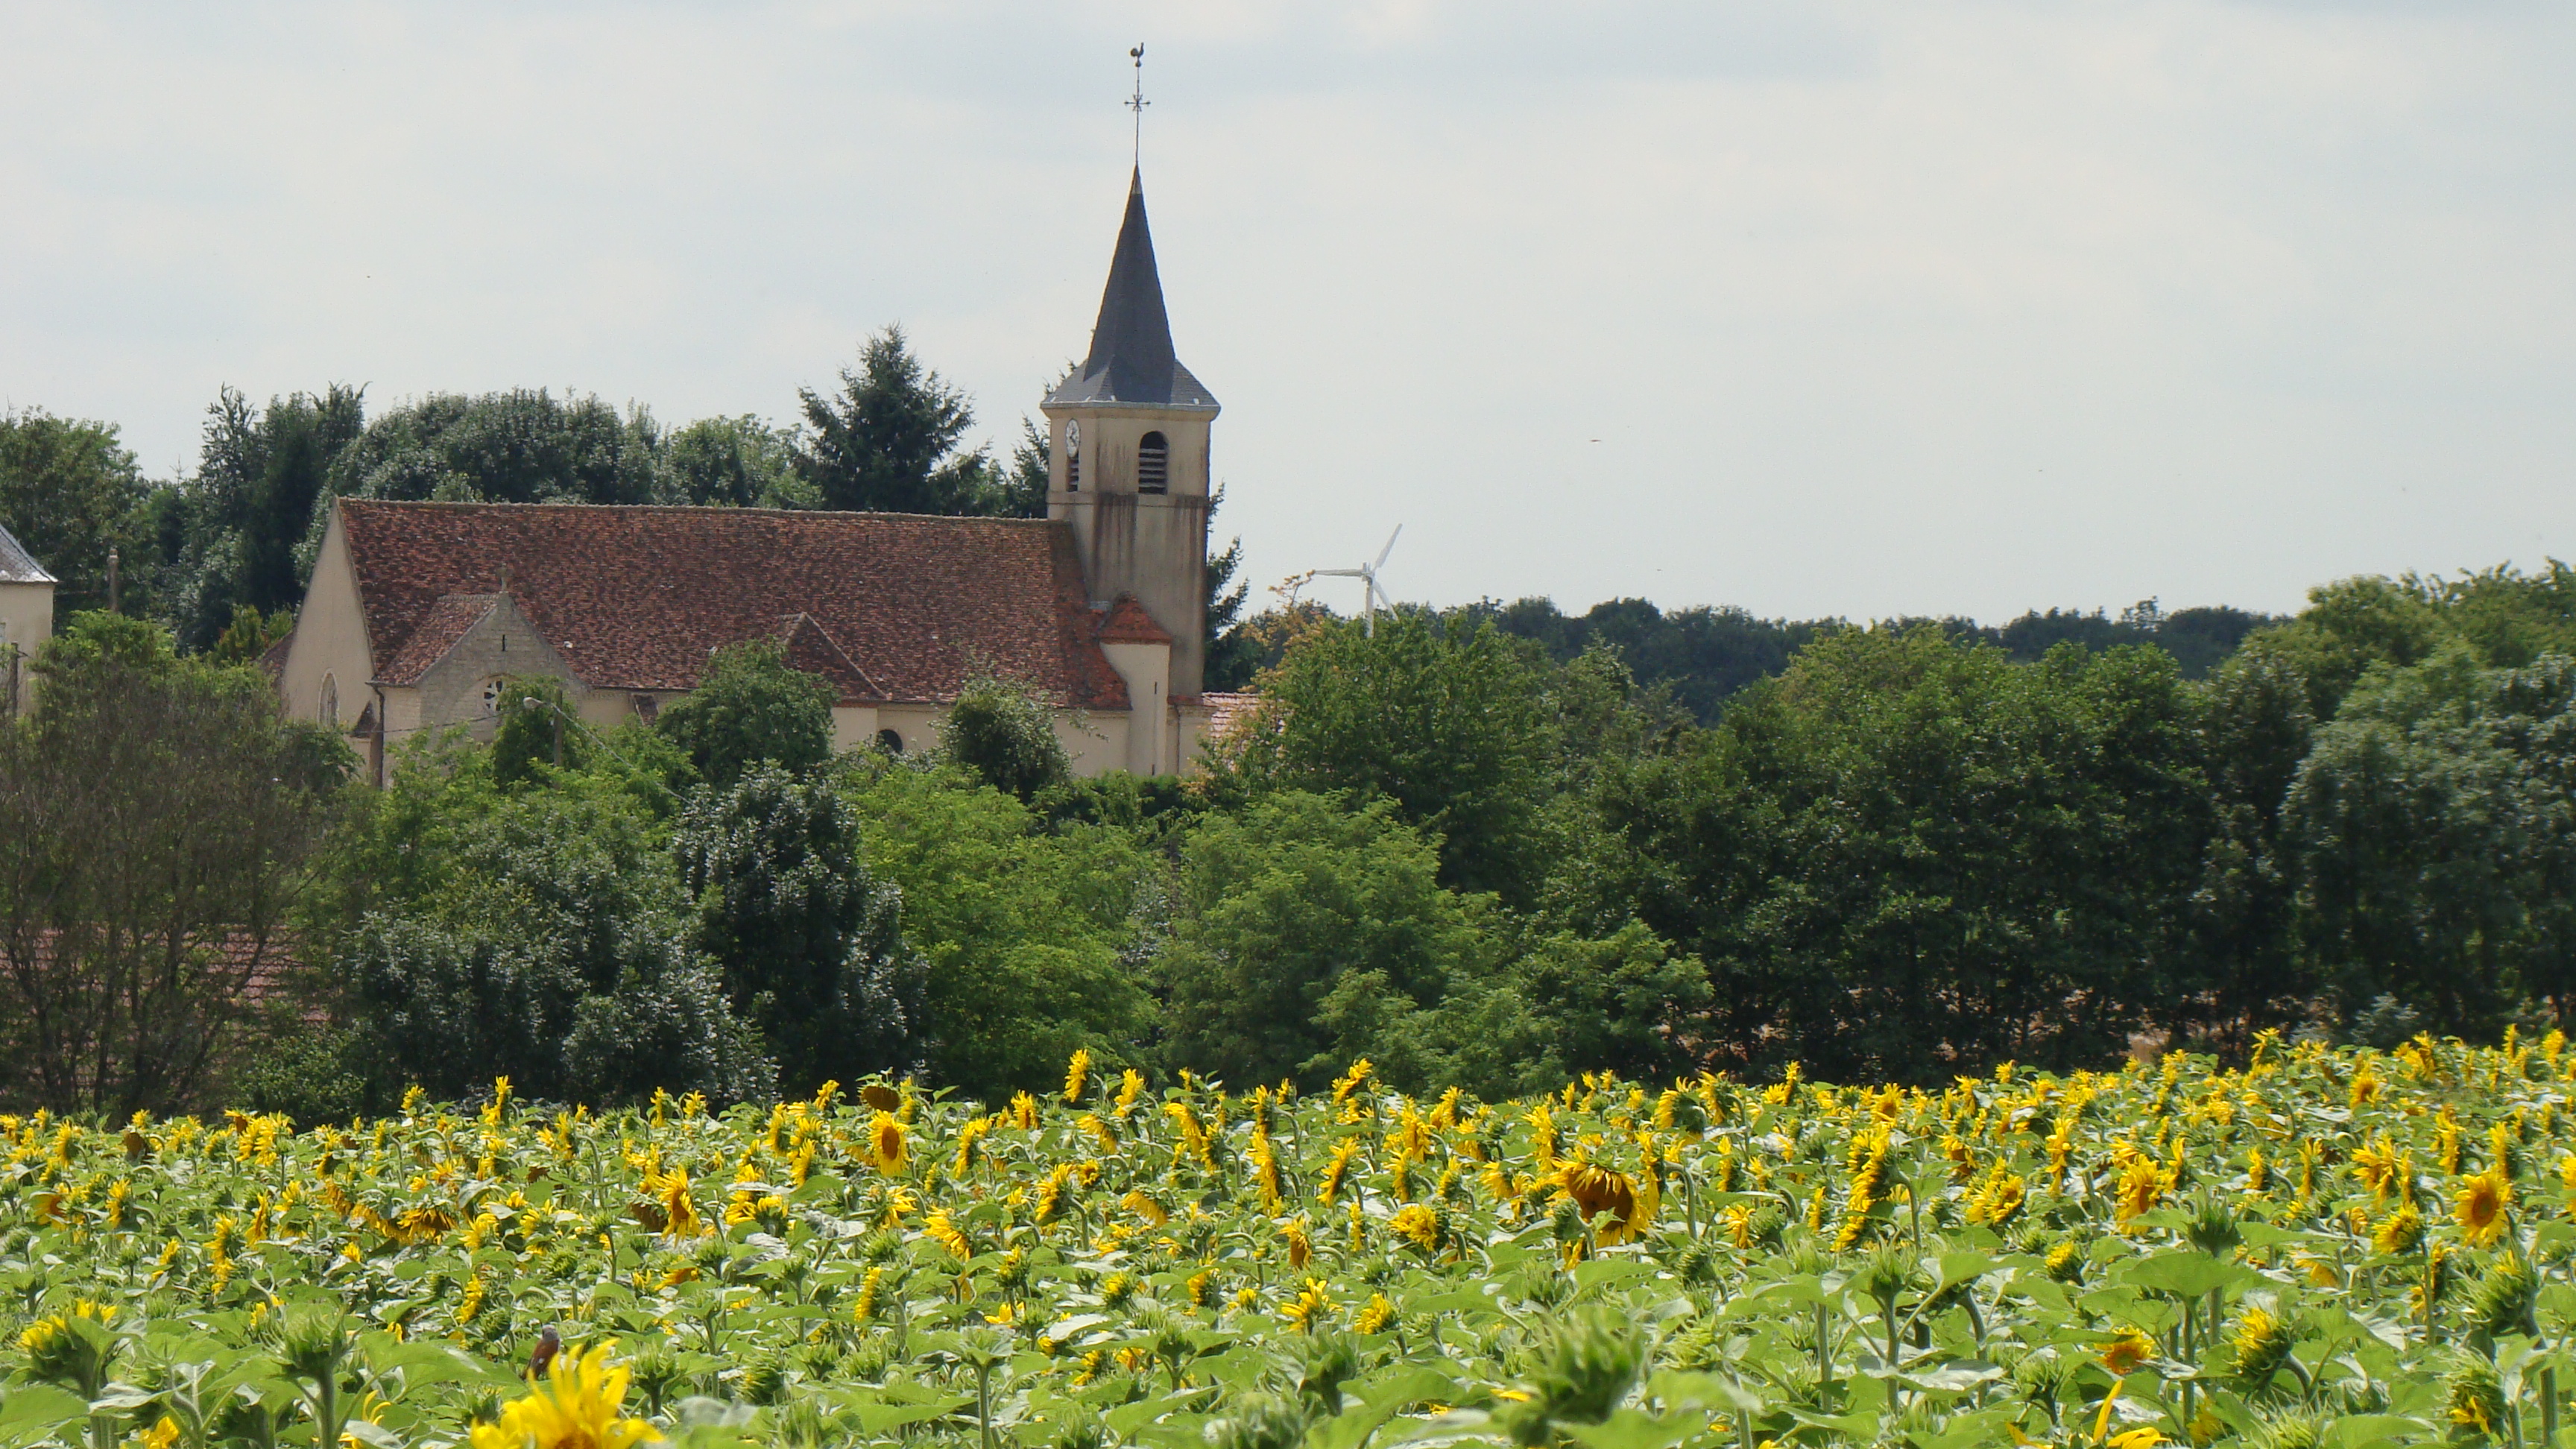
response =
{"points": [[2399, 1232], [2142, 1184], [1602, 1192], [1418, 1224], [1301, 1312], [2376, 1166], [1998, 1199], [1375, 1317], [2481, 1207], [2261, 1342]]}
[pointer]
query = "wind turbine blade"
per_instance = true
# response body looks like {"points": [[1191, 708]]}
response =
{"points": [[1383, 601], [1390, 548]]}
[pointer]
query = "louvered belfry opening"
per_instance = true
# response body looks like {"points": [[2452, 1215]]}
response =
{"points": [[1153, 464]]}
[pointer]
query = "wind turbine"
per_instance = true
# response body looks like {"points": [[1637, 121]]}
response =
{"points": [[1367, 575]]}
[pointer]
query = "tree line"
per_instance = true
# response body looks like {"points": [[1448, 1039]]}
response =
{"points": [[1904, 856], [220, 555]]}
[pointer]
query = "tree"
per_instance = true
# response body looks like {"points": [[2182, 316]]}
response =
{"points": [[234, 529], [2242, 969], [736, 462], [1450, 724], [1005, 736], [539, 933], [1233, 654], [1029, 936], [1909, 853], [750, 706], [811, 947], [2432, 837], [1307, 933], [157, 821], [534, 724], [1025, 485], [888, 440], [69, 492], [520, 446], [251, 634]]}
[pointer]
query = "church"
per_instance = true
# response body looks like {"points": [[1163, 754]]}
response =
{"points": [[418, 614]]}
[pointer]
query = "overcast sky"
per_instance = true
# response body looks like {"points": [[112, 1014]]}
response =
{"points": [[1856, 309]]}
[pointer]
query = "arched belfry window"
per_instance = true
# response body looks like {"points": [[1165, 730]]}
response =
{"points": [[1073, 456], [329, 712], [1153, 464]]}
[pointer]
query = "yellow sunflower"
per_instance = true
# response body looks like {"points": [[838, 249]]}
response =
{"points": [[2399, 1231], [2481, 1206], [2122, 1355], [2142, 1185], [887, 1147], [576, 1407]]}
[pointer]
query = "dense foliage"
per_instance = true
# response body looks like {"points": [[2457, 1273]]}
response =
{"points": [[158, 824], [1905, 857], [2324, 1248]]}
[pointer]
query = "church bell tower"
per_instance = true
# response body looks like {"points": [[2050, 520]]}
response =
{"points": [[1129, 466]]}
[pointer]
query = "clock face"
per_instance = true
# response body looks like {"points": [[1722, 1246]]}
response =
{"points": [[1073, 437]]}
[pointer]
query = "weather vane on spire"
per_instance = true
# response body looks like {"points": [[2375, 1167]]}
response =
{"points": [[1137, 102]]}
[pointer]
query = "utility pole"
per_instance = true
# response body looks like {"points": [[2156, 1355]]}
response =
{"points": [[114, 595]]}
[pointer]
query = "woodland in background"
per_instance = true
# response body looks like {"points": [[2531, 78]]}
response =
{"points": [[1485, 847], [1904, 858]]}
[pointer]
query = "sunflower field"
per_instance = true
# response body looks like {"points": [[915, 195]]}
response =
{"points": [[2324, 1248]]}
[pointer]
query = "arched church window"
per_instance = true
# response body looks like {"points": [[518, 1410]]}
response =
{"points": [[1073, 456], [329, 713], [1153, 464], [890, 741]]}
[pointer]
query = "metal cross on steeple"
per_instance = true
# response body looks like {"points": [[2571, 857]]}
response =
{"points": [[1137, 102]]}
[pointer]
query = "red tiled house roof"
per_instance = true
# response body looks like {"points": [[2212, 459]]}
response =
{"points": [[1126, 622], [889, 607]]}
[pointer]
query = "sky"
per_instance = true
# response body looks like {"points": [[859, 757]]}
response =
{"points": [[1816, 309]]}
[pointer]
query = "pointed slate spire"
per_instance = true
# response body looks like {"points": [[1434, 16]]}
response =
{"points": [[1131, 357]]}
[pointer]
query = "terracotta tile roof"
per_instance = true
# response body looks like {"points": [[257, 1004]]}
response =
{"points": [[636, 598], [446, 623], [1128, 623], [811, 647], [237, 968], [272, 660]]}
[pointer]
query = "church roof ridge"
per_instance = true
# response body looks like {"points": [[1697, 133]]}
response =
{"points": [[726, 510], [1131, 360]]}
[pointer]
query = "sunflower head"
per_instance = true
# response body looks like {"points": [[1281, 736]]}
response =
{"points": [[888, 1147], [2481, 1205], [2261, 1342], [2399, 1232], [578, 1406], [2123, 1354], [2502, 1302]]}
